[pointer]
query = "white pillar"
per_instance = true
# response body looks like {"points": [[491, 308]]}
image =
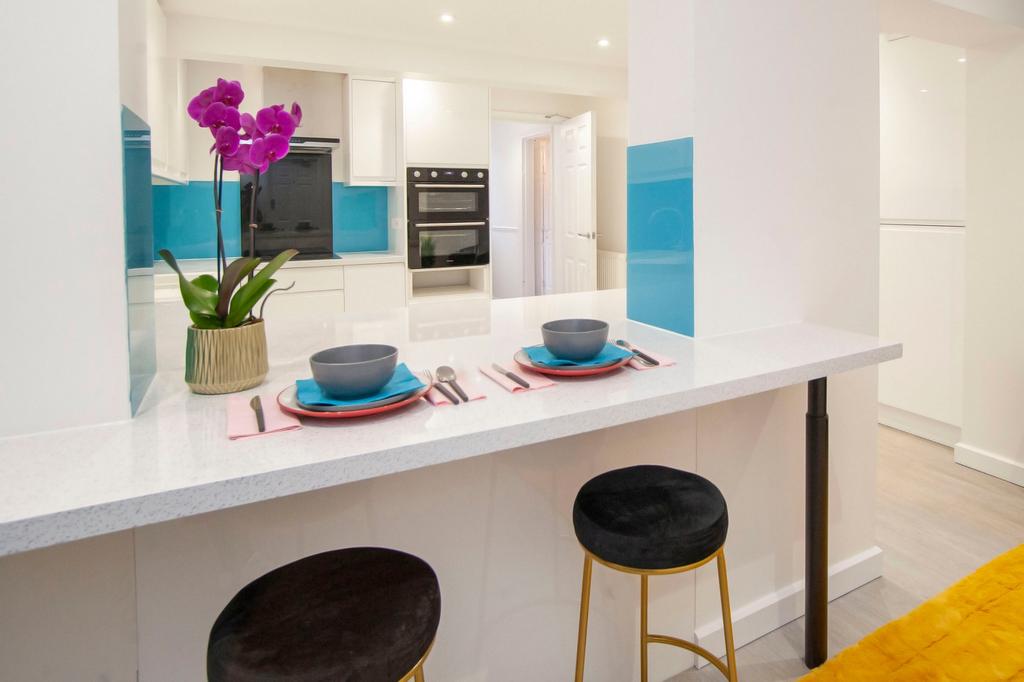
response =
{"points": [[993, 432], [64, 358]]}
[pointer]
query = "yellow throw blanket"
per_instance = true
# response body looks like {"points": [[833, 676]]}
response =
{"points": [[972, 632]]}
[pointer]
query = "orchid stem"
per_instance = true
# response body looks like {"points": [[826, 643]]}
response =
{"points": [[220, 211], [252, 217], [216, 212]]}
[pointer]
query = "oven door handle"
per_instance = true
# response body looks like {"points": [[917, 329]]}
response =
{"points": [[427, 185], [476, 224]]}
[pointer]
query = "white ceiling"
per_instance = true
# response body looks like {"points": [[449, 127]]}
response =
{"points": [[559, 30]]}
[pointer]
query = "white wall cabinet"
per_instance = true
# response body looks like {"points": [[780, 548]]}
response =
{"points": [[165, 108], [372, 117], [446, 124], [374, 286]]}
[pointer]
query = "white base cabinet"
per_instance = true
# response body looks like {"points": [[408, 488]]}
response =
{"points": [[374, 287]]}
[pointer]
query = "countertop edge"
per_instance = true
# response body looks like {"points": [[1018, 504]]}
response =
{"points": [[21, 535]]}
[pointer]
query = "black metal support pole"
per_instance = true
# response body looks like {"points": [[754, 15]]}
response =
{"points": [[816, 526]]}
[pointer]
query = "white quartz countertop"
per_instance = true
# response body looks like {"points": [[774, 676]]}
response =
{"points": [[174, 459]]}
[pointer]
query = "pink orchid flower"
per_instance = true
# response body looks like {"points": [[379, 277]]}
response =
{"points": [[198, 104], [268, 149], [229, 92], [275, 120], [218, 115]]}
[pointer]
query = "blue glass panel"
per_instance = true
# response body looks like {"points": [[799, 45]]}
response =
{"points": [[184, 219], [360, 218], [138, 249], [659, 237], [186, 224]]}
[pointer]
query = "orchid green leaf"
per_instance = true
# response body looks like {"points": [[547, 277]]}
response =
{"points": [[234, 274], [250, 293], [197, 298], [201, 321], [248, 296]]}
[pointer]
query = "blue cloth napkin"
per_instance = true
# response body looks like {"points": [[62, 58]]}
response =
{"points": [[402, 381], [540, 355]]}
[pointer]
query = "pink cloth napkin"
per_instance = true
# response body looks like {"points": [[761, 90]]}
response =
{"points": [[535, 379], [437, 398], [665, 361], [242, 418]]}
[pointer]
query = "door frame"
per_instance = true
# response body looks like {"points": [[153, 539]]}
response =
{"points": [[529, 237]]}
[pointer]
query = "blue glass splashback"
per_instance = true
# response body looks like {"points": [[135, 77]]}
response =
{"points": [[184, 221], [659, 234], [138, 249], [360, 218]]}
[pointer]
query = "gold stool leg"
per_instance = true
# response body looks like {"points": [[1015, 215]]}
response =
{"points": [[643, 627], [581, 642], [723, 589], [419, 674]]}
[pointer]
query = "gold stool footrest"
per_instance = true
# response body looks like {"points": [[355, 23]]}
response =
{"points": [[690, 646]]}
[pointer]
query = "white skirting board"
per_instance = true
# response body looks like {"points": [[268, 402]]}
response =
{"points": [[989, 463], [775, 609], [918, 425]]}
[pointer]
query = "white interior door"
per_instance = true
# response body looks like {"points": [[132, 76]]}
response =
{"points": [[575, 204]]}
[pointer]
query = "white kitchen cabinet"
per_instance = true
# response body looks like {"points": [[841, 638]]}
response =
{"points": [[446, 124], [373, 141], [165, 108], [374, 286]]}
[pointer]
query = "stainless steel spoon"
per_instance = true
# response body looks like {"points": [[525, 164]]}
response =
{"points": [[447, 375], [643, 357]]}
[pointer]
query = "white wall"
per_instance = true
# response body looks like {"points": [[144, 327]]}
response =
{"points": [[782, 101], [506, 204], [661, 35], [993, 431], [785, 200], [66, 328]]}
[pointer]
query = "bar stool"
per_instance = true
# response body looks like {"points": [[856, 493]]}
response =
{"points": [[652, 520], [364, 614]]}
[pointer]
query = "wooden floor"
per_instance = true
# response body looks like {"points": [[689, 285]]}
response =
{"points": [[937, 522]]}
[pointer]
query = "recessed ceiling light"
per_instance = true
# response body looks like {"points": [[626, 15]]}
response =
{"points": [[603, 42], [924, 89], [962, 60], [447, 18]]}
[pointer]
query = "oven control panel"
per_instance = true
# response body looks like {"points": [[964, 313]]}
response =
{"points": [[466, 176]]}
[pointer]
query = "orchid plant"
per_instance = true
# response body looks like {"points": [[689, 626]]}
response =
{"points": [[247, 144]]}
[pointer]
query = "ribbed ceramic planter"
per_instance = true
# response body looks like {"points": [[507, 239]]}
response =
{"points": [[226, 360]]}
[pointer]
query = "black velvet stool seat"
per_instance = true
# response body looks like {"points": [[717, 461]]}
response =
{"points": [[363, 614], [652, 520]]}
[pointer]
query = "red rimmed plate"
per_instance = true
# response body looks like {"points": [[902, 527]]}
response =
{"points": [[288, 402], [523, 360]]}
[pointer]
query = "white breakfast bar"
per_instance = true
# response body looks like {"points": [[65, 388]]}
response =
{"points": [[508, 587]]}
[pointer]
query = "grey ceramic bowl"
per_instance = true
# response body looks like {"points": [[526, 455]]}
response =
{"points": [[349, 372], [576, 340]]}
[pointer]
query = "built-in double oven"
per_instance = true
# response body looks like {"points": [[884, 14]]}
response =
{"points": [[448, 217]]}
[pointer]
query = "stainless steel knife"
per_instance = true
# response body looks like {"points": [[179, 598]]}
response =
{"points": [[257, 406], [510, 375]]}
